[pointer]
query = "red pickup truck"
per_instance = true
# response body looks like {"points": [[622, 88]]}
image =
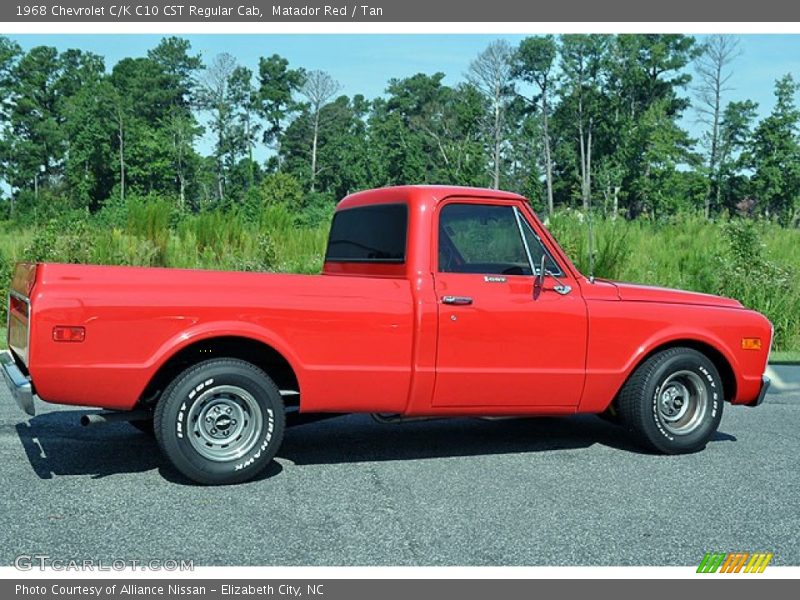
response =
{"points": [[433, 302]]}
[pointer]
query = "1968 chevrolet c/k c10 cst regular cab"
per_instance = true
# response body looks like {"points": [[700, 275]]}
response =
{"points": [[433, 302]]}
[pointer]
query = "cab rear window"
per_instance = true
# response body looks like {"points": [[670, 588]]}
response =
{"points": [[375, 233]]}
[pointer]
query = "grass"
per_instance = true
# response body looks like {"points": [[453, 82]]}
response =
{"points": [[790, 357], [754, 261]]}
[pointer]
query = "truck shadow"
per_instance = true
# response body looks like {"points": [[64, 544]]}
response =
{"points": [[56, 445], [356, 438]]}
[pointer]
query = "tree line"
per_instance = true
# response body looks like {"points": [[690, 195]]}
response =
{"points": [[580, 121]]}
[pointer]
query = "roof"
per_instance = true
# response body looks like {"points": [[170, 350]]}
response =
{"points": [[421, 193]]}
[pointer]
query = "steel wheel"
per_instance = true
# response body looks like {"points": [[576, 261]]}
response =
{"points": [[682, 402], [672, 402], [225, 423]]}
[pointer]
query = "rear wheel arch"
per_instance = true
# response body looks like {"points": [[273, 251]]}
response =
{"points": [[248, 349]]}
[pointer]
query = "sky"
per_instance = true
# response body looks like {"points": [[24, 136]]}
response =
{"points": [[364, 63]]}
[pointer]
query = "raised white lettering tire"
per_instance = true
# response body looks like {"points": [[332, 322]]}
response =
{"points": [[220, 421], [672, 403]]}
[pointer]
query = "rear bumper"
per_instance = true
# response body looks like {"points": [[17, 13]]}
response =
{"points": [[18, 383], [761, 394]]}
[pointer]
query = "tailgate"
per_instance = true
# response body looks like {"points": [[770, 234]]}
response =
{"points": [[19, 310]]}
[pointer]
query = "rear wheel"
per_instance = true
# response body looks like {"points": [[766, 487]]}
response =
{"points": [[673, 401], [220, 421]]}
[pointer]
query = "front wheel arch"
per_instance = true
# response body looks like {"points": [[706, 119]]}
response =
{"points": [[719, 360]]}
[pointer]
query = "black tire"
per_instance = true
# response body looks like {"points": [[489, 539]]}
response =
{"points": [[220, 421], [672, 403], [146, 426]]}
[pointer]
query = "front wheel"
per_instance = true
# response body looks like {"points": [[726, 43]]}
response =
{"points": [[672, 403], [220, 421]]}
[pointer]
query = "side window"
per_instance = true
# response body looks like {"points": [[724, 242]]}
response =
{"points": [[538, 250], [484, 239]]}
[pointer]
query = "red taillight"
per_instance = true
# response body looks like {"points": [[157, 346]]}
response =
{"points": [[68, 333]]}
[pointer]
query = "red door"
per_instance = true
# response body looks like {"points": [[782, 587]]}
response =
{"points": [[498, 345]]}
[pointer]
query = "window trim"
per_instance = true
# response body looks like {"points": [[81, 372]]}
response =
{"points": [[524, 242], [550, 257], [370, 261], [477, 201]]}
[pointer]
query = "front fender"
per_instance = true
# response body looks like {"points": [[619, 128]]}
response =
{"points": [[622, 334]]}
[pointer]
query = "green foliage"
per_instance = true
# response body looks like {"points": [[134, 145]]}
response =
{"points": [[776, 156], [752, 261], [103, 165], [66, 240], [758, 282], [317, 210], [280, 188]]}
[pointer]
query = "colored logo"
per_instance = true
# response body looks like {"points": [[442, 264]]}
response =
{"points": [[734, 562]]}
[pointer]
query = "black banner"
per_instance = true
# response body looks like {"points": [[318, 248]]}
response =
{"points": [[348, 589], [258, 11]]}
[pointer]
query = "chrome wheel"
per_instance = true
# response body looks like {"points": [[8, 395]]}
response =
{"points": [[225, 423], [682, 402]]}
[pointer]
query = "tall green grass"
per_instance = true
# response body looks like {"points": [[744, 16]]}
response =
{"points": [[754, 261]]}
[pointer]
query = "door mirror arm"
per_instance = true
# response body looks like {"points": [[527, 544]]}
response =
{"points": [[538, 283]]}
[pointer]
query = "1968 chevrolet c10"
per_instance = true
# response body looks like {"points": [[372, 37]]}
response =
{"points": [[433, 301]]}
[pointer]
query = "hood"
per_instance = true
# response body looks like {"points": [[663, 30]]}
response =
{"points": [[633, 292]]}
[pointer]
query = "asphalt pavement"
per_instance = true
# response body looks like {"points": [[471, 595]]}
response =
{"points": [[348, 491]]}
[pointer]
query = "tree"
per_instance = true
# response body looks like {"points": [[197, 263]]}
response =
{"points": [[214, 96], [144, 96], [275, 99], [583, 61], [343, 147], [533, 63], [91, 126], [776, 155], [173, 56], [243, 99], [36, 141], [183, 130], [10, 53], [735, 139], [318, 88], [490, 73], [713, 70], [644, 71]]}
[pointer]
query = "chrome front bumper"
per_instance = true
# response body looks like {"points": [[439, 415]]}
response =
{"points": [[18, 384], [764, 387]]}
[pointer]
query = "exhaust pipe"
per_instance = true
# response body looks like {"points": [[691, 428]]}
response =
{"points": [[115, 415]]}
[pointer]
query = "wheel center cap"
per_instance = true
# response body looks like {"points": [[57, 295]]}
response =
{"points": [[222, 422]]}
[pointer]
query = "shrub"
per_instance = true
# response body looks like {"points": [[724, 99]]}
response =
{"points": [[758, 282]]}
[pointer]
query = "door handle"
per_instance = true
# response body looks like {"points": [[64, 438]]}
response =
{"points": [[457, 300]]}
